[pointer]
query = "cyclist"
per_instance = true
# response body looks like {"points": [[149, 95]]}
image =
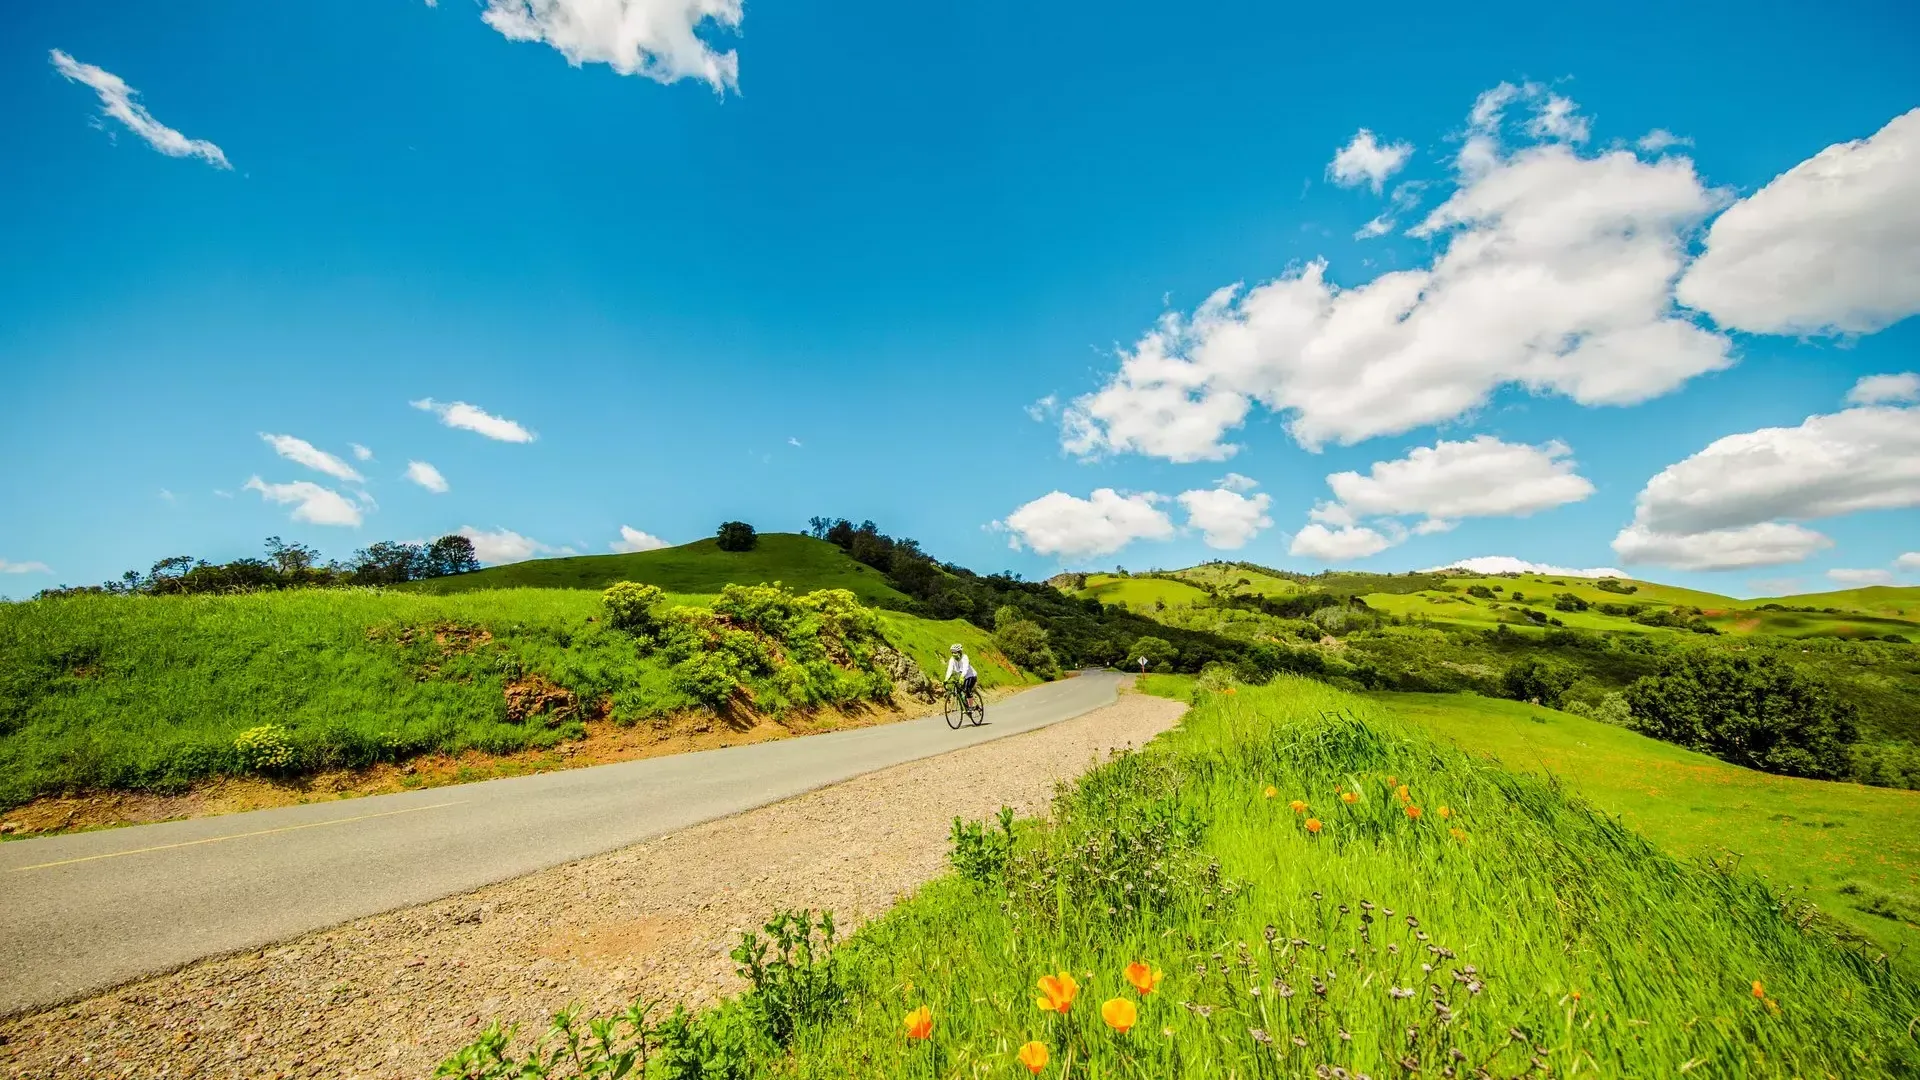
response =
{"points": [[958, 664]]}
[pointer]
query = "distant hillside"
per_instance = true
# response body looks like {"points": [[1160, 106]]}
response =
{"points": [[700, 568], [1894, 601]]}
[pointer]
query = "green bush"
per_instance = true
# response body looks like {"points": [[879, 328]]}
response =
{"points": [[1480, 591], [1537, 680], [632, 607], [264, 749], [1567, 601], [980, 854], [794, 979], [1024, 642], [1760, 712], [1159, 652]]}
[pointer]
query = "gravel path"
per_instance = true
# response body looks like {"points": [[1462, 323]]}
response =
{"points": [[389, 996]]}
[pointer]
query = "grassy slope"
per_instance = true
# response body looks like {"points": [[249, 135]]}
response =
{"points": [[1808, 835], [1613, 959], [1895, 601], [1241, 580], [800, 562], [1139, 593]]}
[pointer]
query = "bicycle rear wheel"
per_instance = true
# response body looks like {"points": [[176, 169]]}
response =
{"points": [[956, 712], [977, 709]]}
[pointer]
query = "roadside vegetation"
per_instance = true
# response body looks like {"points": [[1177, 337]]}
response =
{"points": [[1294, 882]]}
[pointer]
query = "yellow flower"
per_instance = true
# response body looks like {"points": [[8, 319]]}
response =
{"points": [[1272, 791], [1057, 992], [1402, 792], [1349, 797], [1033, 1056], [1298, 806], [1759, 991], [1444, 812], [1458, 833], [1143, 977], [1119, 1013], [919, 1023]]}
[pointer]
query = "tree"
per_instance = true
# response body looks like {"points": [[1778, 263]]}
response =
{"points": [[1755, 711], [817, 527], [290, 559], [1536, 680], [451, 554], [736, 536], [386, 562], [1159, 652]]}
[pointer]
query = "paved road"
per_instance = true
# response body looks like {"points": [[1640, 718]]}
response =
{"points": [[88, 911]]}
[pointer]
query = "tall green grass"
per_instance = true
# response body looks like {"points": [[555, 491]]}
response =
{"points": [[1558, 939]]}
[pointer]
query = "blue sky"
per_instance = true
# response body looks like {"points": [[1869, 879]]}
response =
{"points": [[909, 264]]}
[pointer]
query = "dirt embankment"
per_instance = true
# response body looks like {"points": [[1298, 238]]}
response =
{"points": [[390, 996]]}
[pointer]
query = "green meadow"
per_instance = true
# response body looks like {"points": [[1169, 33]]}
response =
{"points": [[1139, 593], [1297, 882]]}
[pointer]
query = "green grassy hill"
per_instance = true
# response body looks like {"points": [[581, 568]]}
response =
{"points": [[1893, 601], [800, 562], [1139, 593], [1853, 850]]}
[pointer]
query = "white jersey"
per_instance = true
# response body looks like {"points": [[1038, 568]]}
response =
{"points": [[960, 665]]}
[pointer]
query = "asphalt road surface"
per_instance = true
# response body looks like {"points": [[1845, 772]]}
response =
{"points": [[88, 911]]}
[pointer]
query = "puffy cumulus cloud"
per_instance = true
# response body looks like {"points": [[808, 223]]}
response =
{"points": [[1060, 524], [1909, 561], [1885, 389], [1860, 577], [1340, 544], [302, 452], [9, 567], [361, 453], [1366, 160], [1555, 274], [1830, 246], [427, 476], [506, 546], [1227, 516], [459, 414], [1481, 477], [311, 503], [116, 100], [1507, 564], [633, 540], [1727, 506], [659, 39]]}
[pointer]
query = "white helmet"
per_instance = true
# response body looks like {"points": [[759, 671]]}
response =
{"points": [[955, 650]]}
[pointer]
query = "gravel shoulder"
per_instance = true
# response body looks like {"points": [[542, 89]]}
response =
{"points": [[389, 996]]}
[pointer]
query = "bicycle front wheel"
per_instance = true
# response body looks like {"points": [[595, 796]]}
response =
{"points": [[956, 712]]}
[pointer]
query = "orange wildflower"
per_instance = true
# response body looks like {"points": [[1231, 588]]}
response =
{"points": [[1033, 1056], [1402, 792], [1313, 824], [1298, 806], [919, 1023], [1392, 781], [1759, 991], [1119, 1013], [1444, 812], [1272, 791], [1143, 977], [1458, 833], [1057, 992], [1413, 812], [1349, 797]]}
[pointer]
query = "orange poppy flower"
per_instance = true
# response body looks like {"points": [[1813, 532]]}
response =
{"points": [[919, 1023], [1759, 991], [1313, 824], [1144, 978], [1402, 792], [1413, 812], [1458, 833], [1298, 806], [1349, 797], [1119, 1014], [1033, 1056], [1444, 812], [1057, 992], [1392, 781], [1272, 791]]}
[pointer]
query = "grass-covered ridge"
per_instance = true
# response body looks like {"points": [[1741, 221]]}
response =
{"points": [[1322, 886], [152, 692]]}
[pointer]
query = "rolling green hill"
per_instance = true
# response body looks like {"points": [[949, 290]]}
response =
{"points": [[800, 562], [1893, 601], [1139, 593]]}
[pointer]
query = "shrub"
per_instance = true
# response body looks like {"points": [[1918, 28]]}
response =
{"points": [[1023, 642], [795, 981], [1755, 711], [264, 749], [1615, 585], [979, 854], [1480, 591], [631, 607], [1567, 601], [1534, 679], [736, 536]]}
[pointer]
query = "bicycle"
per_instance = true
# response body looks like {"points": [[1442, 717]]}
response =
{"points": [[970, 709]]}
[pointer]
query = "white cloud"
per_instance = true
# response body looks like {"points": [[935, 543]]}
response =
{"points": [[1227, 516], [1861, 577], [793, 442], [1060, 524], [302, 452], [507, 546], [1724, 506], [361, 453], [311, 502], [1365, 160], [459, 414], [116, 100], [1507, 564], [1316, 541], [656, 38], [1830, 246], [427, 477], [1555, 275], [1660, 139], [1885, 389], [1044, 409], [633, 540], [1379, 226], [1556, 117], [1909, 561], [1482, 477], [7, 567], [1233, 481]]}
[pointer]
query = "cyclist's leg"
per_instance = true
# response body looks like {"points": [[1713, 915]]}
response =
{"points": [[971, 690]]}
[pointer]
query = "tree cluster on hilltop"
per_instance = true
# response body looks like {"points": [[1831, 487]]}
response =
{"points": [[290, 566]]}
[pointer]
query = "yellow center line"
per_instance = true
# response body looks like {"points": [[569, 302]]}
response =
{"points": [[235, 836]]}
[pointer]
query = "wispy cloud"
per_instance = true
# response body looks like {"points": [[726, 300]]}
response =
{"points": [[361, 453], [427, 477], [459, 414], [116, 100], [302, 452], [7, 567], [793, 442], [311, 503], [633, 540], [507, 546]]}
